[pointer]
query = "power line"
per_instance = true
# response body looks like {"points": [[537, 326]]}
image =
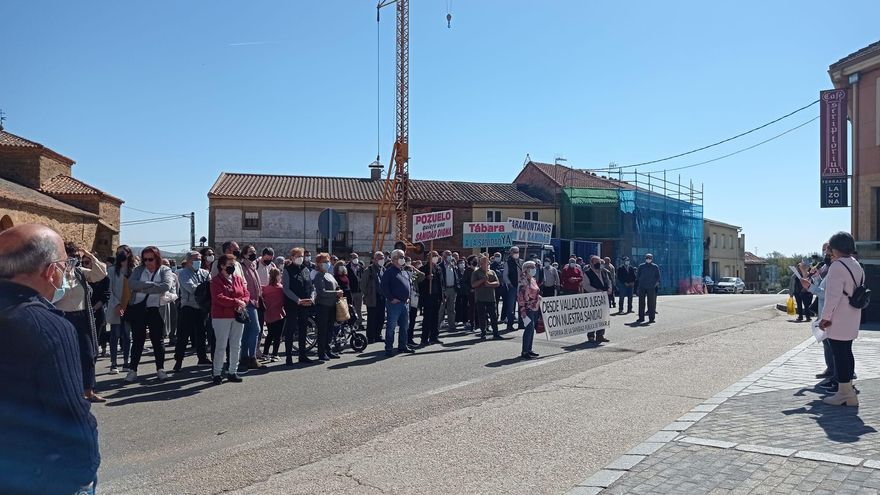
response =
{"points": [[740, 150], [154, 220], [150, 212], [679, 155]]}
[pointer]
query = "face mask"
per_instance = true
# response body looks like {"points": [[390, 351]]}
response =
{"points": [[230, 270], [298, 261], [308, 258], [827, 259], [532, 272], [252, 256], [343, 271], [515, 256], [649, 261], [546, 264], [596, 266], [266, 262], [450, 259], [474, 263], [461, 265], [572, 264], [626, 263], [121, 257], [237, 254], [326, 267], [196, 265], [60, 291], [209, 259], [401, 261], [435, 259], [496, 259]]}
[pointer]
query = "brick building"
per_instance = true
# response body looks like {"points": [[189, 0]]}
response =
{"points": [[37, 186], [282, 210], [756, 276]]}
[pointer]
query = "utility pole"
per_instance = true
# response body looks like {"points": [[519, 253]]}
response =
{"points": [[192, 229]]}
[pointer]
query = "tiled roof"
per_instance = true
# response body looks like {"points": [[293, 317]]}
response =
{"points": [[751, 259], [27, 196], [872, 49], [9, 140], [569, 177], [233, 185], [65, 185]]}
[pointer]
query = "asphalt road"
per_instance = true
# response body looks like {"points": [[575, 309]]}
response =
{"points": [[464, 417]]}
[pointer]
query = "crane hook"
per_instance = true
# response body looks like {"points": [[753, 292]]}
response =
{"points": [[449, 20]]}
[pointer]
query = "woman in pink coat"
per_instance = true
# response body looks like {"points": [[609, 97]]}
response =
{"points": [[839, 319]]}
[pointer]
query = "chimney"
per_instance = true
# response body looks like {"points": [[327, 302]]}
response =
{"points": [[376, 169]]}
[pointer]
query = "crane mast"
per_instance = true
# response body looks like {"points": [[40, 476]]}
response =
{"points": [[395, 194]]}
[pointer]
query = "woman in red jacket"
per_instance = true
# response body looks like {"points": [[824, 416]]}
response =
{"points": [[273, 299], [229, 298]]}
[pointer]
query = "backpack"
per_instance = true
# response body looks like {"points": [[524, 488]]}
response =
{"points": [[861, 297], [203, 295]]}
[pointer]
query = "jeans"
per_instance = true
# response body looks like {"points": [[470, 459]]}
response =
{"points": [[398, 315], [191, 327], [651, 296], [626, 292], [448, 310], [529, 332], [119, 332], [250, 339], [227, 332], [510, 305], [829, 358], [844, 362]]}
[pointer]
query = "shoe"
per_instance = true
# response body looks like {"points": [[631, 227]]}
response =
{"points": [[406, 350], [389, 353], [306, 359], [242, 368], [114, 371], [103, 353], [288, 362], [845, 396], [799, 319], [274, 359], [125, 367], [602, 339], [482, 336], [234, 378], [498, 336], [533, 354], [437, 341], [161, 375], [217, 380], [591, 340], [177, 366], [808, 319], [526, 356], [830, 388], [94, 398], [205, 362], [323, 358], [640, 320], [332, 355], [132, 376], [651, 320], [824, 374]]}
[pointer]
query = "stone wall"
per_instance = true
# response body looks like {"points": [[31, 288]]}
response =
{"points": [[51, 167], [20, 168], [71, 227]]}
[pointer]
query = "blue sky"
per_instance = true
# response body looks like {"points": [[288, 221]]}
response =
{"points": [[154, 99]]}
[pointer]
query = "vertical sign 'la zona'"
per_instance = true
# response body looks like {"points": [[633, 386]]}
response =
{"points": [[832, 139]]}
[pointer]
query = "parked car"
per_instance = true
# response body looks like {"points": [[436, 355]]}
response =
{"points": [[709, 284], [731, 285]]}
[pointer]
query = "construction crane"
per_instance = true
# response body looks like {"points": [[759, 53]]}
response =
{"points": [[395, 193]]}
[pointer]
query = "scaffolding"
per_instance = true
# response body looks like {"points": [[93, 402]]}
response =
{"points": [[644, 213]]}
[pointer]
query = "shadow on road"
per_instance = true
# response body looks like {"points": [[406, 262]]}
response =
{"points": [[156, 391], [840, 424]]}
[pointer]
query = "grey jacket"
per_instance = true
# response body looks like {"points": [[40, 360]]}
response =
{"points": [[370, 281], [189, 281], [648, 276], [164, 282]]}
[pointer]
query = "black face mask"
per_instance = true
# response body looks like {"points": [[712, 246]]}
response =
{"points": [[266, 262], [827, 259], [252, 256], [230, 270], [237, 254], [596, 266], [121, 257]]}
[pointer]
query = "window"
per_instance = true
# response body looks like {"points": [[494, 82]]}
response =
{"points": [[493, 215], [714, 240], [251, 220], [531, 215]]}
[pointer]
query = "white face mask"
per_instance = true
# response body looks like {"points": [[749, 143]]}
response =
{"points": [[515, 256], [435, 259], [401, 262], [343, 271], [532, 272], [298, 261], [546, 264], [209, 259]]}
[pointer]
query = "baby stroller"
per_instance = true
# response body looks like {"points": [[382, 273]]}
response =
{"points": [[349, 332]]}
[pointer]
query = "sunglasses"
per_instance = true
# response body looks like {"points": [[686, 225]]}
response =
{"points": [[148, 260]]}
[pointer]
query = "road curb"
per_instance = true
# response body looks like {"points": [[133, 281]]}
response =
{"points": [[674, 432]]}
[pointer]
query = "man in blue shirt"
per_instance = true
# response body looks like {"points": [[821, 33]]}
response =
{"points": [[396, 288], [49, 436]]}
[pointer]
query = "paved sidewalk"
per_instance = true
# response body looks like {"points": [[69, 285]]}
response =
{"points": [[767, 433]]}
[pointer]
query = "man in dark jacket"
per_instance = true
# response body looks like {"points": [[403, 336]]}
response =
{"points": [[626, 280], [396, 287], [648, 279], [373, 299], [49, 436], [299, 297]]}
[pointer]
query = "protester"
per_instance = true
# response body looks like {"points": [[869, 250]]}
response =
{"points": [[273, 299], [327, 292], [230, 247], [572, 277], [484, 282], [816, 284], [191, 323], [512, 277], [229, 301], [396, 288], [465, 305], [497, 266], [263, 265], [796, 289], [207, 259], [840, 319], [77, 307], [375, 302], [169, 311], [355, 271], [252, 330], [299, 297], [99, 300], [340, 273], [430, 293], [450, 277], [626, 280], [149, 283], [612, 276], [596, 281], [415, 302], [648, 279], [49, 436], [120, 295], [528, 299], [551, 282]]}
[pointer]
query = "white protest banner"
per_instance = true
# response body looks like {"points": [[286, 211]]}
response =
{"points": [[486, 234], [530, 231], [575, 314], [430, 226]]}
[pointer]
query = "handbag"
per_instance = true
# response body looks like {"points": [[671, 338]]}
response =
{"points": [[342, 313], [539, 325], [243, 317], [167, 298], [861, 296]]}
